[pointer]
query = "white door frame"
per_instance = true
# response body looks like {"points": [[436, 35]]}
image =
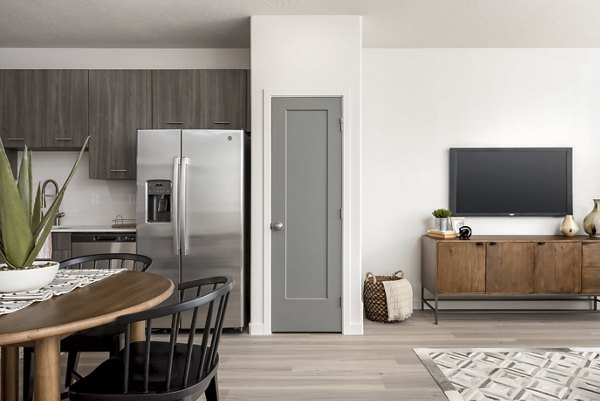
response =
{"points": [[347, 328]]}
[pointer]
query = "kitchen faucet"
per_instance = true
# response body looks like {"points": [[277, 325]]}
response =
{"points": [[44, 196]]}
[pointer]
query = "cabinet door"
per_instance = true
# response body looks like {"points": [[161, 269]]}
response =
{"points": [[120, 104], [64, 121], [590, 271], [224, 99], [20, 108], [461, 268], [509, 267], [176, 98], [61, 246], [557, 268]]}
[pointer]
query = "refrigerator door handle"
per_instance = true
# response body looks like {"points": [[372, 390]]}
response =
{"points": [[175, 205], [184, 233]]}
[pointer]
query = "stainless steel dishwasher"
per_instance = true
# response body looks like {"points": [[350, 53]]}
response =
{"points": [[92, 243]]}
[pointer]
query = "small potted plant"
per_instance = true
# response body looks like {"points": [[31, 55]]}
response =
{"points": [[24, 228], [442, 219]]}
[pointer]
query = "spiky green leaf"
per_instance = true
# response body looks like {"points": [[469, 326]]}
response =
{"points": [[24, 182], [15, 230], [36, 214]]}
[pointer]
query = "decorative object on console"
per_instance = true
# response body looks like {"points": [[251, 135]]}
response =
{"points": [[464, 232], [441, 234], [569, 228], [442, 217], [591, 223], [457, 223]]}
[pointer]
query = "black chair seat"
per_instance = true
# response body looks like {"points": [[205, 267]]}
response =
{"points": [[107, 378]]}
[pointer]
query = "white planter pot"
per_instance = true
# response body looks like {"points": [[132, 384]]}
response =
{"points": [[29, 279]]}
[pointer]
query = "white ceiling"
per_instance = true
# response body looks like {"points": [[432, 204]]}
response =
{"points": [[226, 24]]}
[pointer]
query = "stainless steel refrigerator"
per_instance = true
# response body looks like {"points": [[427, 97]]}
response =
{"points": [[191, 208]]}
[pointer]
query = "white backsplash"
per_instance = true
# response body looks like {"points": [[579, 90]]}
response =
{"points": [[86, 202]]}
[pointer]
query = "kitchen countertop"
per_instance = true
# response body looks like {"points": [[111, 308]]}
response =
{"points": [[68, 228]]}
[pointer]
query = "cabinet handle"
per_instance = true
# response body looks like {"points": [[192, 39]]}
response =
{"points": [[541, 243], [222, 122], [492, 244], [117, 171], [62, 139], [15, 139], [174, 122], [479, 243]]}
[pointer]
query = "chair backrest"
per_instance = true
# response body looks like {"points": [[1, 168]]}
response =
{"points": [[209, 300], [129, 261]]}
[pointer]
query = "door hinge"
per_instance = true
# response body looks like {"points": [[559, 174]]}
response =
{"points": [[341, 124], [341, 214], [340, 302]]}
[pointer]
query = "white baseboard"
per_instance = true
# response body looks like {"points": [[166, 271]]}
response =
{"points": [[353, 329], [257, 329]]}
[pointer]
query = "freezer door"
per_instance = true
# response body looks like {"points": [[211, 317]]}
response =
{"points": [[212, 217], [157, 163]]}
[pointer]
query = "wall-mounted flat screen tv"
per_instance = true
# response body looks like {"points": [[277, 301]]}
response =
{"points": [[511, 181]]}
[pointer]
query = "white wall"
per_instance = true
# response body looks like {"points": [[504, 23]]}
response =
{"points": [[305, 55], [99, 201], [417, 103]]}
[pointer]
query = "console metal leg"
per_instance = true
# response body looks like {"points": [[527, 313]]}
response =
{"points": [[422, 298], [435, 311], [595, 302]]}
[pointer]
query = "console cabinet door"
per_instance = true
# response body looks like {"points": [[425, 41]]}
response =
{"points": [[509, 267], [461, 268], [20, 108], [590, 271], [120, 104], [224, 99], [64, 121], [557, 268]]}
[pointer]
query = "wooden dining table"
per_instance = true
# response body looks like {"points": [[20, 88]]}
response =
{"points": [[43, 324]]}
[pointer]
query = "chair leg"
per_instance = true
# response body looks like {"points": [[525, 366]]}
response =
{"points": [[212, 392], [27, 374], [72, 361]]}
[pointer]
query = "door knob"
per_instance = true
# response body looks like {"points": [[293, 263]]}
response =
{"points": [[277, 226]]}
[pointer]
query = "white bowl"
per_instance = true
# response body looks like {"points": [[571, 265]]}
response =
{"points": [[29, 279]]}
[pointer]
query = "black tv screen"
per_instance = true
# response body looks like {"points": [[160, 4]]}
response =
{"points": [[511, 181]]}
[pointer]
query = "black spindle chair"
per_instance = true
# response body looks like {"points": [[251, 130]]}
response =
{"points": [[166, 370], [106, 338]]}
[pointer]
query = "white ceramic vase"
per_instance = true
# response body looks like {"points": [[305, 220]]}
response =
{"points": [[591, 223], [569, 228], [28, 279]]}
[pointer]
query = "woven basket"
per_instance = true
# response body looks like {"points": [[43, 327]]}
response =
{"points": [[374, 296]]}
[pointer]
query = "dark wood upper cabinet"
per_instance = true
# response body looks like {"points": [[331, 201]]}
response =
{"points": [[120, 103], [64, 120], [176, 99], [20, 108], [224, 99], [216, 99]]}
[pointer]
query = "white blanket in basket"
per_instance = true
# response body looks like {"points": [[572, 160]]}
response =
{"points": [[398, 294]]}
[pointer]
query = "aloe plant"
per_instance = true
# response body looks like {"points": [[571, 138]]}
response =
{"points": [[23, 226]]}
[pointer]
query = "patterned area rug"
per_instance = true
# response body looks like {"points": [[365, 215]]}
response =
{"points": [[538, 374]]}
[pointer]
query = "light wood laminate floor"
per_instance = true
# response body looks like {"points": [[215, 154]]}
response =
{"points": [[379, 365]]}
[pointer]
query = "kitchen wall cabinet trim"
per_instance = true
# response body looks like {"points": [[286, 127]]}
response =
{"points": [[510, 267]]}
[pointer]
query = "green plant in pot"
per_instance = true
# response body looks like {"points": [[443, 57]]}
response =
{"points": [[442, 219], [24, 228]]}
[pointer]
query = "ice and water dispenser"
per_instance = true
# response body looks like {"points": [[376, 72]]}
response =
{"points": [[158, 194]]}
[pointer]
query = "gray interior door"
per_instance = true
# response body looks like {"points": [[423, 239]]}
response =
{"points": [[306, 228]]}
